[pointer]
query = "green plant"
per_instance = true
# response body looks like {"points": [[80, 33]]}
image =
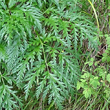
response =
{"points": [[106, 55], [95, 81], [40, 50]]}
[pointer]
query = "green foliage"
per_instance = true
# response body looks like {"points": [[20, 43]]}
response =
{"points": [[39, 57], [93, 86], [106, 55], [95, 82]]}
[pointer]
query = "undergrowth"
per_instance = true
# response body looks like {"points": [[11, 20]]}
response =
{"points": [[42, 44], [94, 82]]}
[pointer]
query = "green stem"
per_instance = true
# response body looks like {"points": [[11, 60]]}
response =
{"points": [[95, 15], [43, 51]]}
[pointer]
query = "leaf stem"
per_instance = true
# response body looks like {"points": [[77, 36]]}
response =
{"points": [[95, 15]]}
